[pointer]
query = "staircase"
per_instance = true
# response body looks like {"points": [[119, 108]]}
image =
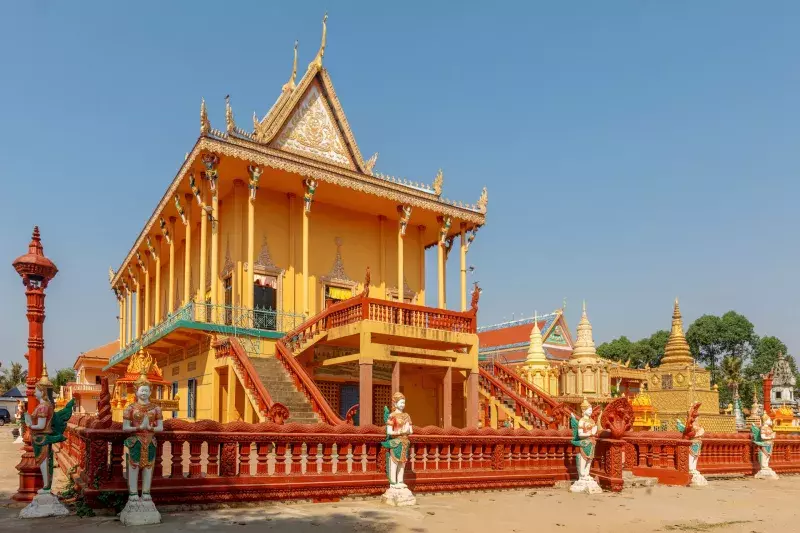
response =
{"points": [[282, 390], [527, 402]]}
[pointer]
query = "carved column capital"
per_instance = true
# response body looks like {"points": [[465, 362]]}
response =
{"points": [[405, 215], [255, 175], [310, 186]]}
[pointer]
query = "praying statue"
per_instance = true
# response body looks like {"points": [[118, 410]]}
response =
{"points": [[144, 420], [584, 436], [764, 438], [693, 431], [398, 429], [46, 427]]}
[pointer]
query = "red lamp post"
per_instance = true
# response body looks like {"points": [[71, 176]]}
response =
{"points": [[36, 271]]}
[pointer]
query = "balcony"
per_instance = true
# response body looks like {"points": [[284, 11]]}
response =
{"points": [[224, 319], [80, 389]]}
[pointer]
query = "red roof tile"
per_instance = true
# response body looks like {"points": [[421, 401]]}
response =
{"points": [[510, 335]]}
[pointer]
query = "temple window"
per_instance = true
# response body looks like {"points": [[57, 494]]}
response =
{"points": [[666, 382], [97, 380], [335, 294], [227, 285], [174, 394], [265, 300], [191, 398], [777, 395]]}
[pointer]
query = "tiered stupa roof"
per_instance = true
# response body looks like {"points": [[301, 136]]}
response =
{"points": [[536, 355], [782, 375], [584, 346], [677, 351]]}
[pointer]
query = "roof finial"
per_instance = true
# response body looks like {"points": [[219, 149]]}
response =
{"points": [[205, 125], [438, 181], [229, 122], [290, 84], [318, 59]]}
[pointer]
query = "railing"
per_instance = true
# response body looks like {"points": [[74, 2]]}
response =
{"points": [[82, 387], [214, 317], [534, 396], [663, 455], [521, 407], [248, 376], [209, 462]]}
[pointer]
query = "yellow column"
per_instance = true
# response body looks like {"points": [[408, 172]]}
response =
{"points": [[201, 296], [121, 320], [400, 277], [214, 254], [187, 259], [247, 300], [138, 311], [157, 318], [292, 291], [463, 266], [147, 323], [128, 317], [237, 235], [171, 294], [382, 252], [440, 260], [308, 197], [421, 296]]}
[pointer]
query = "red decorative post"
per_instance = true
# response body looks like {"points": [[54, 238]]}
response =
{"points": [[767, 387], [36, 271]]}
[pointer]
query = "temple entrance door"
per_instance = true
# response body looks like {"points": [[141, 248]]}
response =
{"points": [[349, 397], [265, 301]]}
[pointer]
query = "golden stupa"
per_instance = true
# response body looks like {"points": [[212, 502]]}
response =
{"points": [[679, 382]]}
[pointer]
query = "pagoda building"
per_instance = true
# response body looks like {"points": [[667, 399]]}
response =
{"points": [[510, 342], [679, 381], [278, 254], [586, 374], [783, 383], [537, 368]]}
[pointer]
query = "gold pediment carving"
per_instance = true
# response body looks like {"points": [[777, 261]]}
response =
{"points": [[312, 131]]}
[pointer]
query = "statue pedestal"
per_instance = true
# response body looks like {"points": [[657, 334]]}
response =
{"points": [[398, 497], [140, 513], [586, 485], [698, 480], [766, 473], [44, 505]]}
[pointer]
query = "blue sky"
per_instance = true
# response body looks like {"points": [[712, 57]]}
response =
{"points": [[634, 151]]}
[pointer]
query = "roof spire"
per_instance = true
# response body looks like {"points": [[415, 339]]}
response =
{"points": [[318, 59], [677, 350], [290, 85], [205, 125], [230, 124], [536, 355], [584, 346]]}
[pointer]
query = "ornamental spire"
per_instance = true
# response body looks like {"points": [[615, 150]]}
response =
{"points": [[536, 355], [205, 125], [584, 346], [290, 85], [321, 53], [677, 350], [230, 124]]}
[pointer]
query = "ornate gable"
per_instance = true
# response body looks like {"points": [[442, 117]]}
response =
{"points": [[312, 131], [558, 333]]}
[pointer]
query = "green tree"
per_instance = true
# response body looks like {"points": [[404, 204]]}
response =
{"points": [[737, 334], [12, 376], [764, 356], [732, 376], [63, 376], [658, 341], [705, 339], [616, 350]]}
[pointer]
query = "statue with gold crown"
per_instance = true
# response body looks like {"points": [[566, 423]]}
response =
{"points": [[46, 427], [143, 419], [764, 438], [398, 429], [584, 436], [694, 432]]}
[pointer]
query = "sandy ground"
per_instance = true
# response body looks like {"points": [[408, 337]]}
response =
{"points": [[729, 506]]}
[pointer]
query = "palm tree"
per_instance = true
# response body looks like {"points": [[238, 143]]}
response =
{"points": [[731, 369], [11, 377]]}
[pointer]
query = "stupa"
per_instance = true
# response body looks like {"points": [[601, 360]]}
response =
{"points": [[679, 381]]}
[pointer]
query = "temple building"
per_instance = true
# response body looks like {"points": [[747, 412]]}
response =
{"points": [[88, 371], [679, 381], [783, 383], [280, 270], [542, 350]]}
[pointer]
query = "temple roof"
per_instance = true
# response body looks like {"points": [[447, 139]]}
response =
{"points": [[101, 353], [307, 133], [677, 350], [782, 375], [512, 339]]}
